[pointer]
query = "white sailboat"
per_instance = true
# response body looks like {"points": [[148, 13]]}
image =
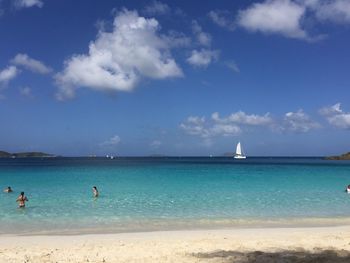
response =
{"points": [[239, 154]]}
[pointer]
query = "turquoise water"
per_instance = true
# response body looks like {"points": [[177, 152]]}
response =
{"points": [[162, 193]]}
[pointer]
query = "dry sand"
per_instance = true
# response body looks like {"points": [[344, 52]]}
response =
{"points": [[282, 245]]}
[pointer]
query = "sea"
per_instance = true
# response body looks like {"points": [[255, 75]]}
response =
{"points": [[167, 193]]}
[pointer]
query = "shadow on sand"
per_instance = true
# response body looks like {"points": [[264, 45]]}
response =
{"points": [[283, 256]]}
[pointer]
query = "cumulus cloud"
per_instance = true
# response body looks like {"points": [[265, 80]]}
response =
{"points": [[241, 117], [31, 64], [117, 60], [225, 129], [274, 17], [195, 125], [202, 37], [238, 122], [222, 18], [176, 39], [216, 126], [28, 3], [114, 141], [203, 57], [8, 74], [331, 110], [337, 11], [298, 122], [207, 130], [157, 8], [336, 116]]}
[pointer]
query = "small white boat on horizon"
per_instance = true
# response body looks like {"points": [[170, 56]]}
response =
{"points": [[239, 153]]}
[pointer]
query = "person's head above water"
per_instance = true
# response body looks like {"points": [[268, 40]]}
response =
{"points": [[8, 189], [95, 187], [22, 193]]}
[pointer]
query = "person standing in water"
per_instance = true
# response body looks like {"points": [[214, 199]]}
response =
{"points": [[95, 191], [22, 200], [348, 189], [8, 190]]}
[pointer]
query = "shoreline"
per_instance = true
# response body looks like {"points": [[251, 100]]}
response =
{"points": [[140, 226], [220, 245]]}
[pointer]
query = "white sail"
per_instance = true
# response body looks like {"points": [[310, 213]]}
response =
{"points": [[238, 149], [239, 154]]}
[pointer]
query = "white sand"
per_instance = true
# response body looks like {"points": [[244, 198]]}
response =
{"points": [[321, 244]]}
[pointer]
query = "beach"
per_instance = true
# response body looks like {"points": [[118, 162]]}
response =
{"points": [[176, 210], [295, 244], [175, 131]]}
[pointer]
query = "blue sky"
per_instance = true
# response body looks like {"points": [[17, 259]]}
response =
{"points": [[175, 77]]}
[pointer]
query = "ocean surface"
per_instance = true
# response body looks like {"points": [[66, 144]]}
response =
{"points": [[141, 194]]}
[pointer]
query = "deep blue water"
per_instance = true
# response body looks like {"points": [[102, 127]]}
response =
{"points": [[160, 193]]}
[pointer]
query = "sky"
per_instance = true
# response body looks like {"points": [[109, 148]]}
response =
{"points": [[179, 78]]}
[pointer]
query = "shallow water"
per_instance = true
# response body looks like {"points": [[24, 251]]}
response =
{"points": [[162, 193]]}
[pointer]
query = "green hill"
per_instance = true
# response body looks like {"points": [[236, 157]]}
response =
{"points": [[345, 156], [4, 154]]}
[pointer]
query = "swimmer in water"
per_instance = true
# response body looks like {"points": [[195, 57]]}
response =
{"points": [[22, 199], [8, 190], [347, 189], [95, 191]]}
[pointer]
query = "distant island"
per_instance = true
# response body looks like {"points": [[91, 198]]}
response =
{"points": [[4, 154], [345, 156]]}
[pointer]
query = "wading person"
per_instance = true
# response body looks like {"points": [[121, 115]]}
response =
{"points": [[95, 191], [21, 199]]}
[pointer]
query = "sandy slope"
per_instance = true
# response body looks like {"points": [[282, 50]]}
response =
{"points": [[327, 244]]}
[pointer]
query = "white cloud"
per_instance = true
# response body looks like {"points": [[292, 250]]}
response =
{"points": [[228, 126], [157, 8], [31, 64], [241, 117], [337, 11], [228, 129], [176, 39], [114, 141], [336, 116], [117, 60], [8, 74], [298, 122], [203, 57], [207, 130], [222, 18], [202, 37], [28, 3], [195, 126], [236, 123], [26, 92], [274, 17], [332, 110]]}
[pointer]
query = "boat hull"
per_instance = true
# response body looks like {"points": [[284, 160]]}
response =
{"points": [[239, 157]]}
